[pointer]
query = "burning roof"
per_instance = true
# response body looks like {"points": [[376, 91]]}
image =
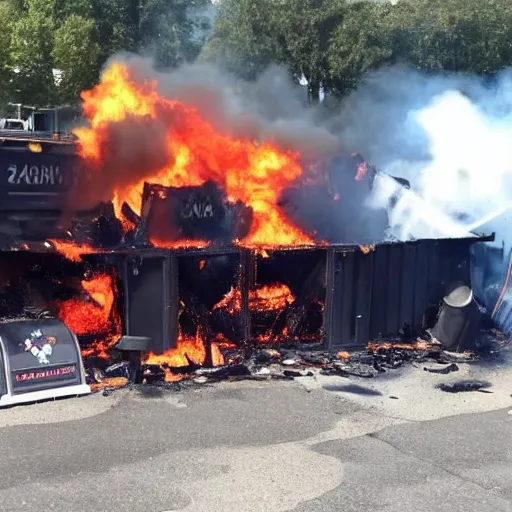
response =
{"points": [[137, 136]]}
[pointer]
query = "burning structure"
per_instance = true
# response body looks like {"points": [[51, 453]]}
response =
{"points": [[161, 236]]}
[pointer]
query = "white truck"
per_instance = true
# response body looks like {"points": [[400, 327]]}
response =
{"points": [[13, 124]]}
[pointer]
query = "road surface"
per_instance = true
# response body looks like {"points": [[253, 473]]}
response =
{"points": [[391, 444]]}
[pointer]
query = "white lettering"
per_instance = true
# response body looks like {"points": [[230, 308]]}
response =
{"points": [[45, 176], [35, 175], [197, 210], [12, 170], [23, 176], [58, 175]]}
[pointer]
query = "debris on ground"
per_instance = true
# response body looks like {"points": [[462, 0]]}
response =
{"points": [[299, 361], [461, 386]]}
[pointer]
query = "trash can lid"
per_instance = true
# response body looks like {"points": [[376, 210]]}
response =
{"points": [[459, 295]]}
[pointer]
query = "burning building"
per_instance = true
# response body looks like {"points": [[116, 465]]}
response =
{"points": [[158, 233]]}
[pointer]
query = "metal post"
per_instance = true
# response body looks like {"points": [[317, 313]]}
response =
{"points": [[358, 318]]}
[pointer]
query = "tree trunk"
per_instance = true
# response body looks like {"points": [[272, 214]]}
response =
{"points": [[313, 91]]}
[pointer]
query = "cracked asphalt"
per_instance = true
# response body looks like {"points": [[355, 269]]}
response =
{"points": [[317, 444]]}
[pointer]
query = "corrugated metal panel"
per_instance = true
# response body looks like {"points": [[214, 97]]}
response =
{"points": [[377, 294]]}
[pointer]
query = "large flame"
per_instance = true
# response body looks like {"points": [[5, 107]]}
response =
{"points": [[94, 313], [251, 172]]}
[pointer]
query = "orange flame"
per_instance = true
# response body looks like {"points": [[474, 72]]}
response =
{"points": [[94, 313], [179, 244], [266, 298], [109, 382], [71, 250], [188, 348], [253, 172]]}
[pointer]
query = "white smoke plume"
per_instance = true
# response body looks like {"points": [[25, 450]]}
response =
{"points": [[451, 137]]}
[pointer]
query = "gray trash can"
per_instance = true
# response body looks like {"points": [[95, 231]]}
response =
{"points": [[458, 321]]}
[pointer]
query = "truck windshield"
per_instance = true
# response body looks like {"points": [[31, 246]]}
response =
{"points": [[14, 125]]}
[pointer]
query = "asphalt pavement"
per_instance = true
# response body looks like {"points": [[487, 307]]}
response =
{"points": [[314, 444]]}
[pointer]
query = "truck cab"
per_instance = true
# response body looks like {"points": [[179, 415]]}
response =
{"points": [[13, 124]]}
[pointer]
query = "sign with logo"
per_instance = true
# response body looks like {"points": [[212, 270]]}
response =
{"points": [[41, 354]]}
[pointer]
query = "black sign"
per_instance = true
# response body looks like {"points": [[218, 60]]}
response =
{"points": [[41, 354], [187, 212], [35, 180]]}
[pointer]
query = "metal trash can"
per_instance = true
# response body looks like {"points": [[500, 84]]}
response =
{"points": [[459, 317]]}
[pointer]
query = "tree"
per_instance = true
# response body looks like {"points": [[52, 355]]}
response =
{"points": [[243, 39], [76, 52], [460, 35], [8, 16], [361, 42], [31, 55], [117, 25], [172, 32], [250, 35], [304, 29]]}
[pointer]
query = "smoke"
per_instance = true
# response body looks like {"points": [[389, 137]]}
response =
{"points": [[451, 137], [272, 107], [448, 135]]}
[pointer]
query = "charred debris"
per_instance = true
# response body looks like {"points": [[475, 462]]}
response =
{"points": [[170, 295]]}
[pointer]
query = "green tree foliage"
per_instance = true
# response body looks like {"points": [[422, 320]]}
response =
{"points": [[53, 49], [172, 32], [332, 43], [362, 41], [460, 35], [243, 39], [251, 34], [335, 42], [76, 53], [304, 29], [31, 54], [117, 24]]}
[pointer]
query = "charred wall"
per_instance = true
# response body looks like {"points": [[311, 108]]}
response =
{"points": [[392, 290], [341, 295]]}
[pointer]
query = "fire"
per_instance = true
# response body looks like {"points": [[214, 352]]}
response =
{"points": [[366, 249], [189, 348], [179, 244], [266, 298], [362, 170], [94, 313], [71, 250], [217, 357], [270, 298], [109, 382], [253, 172]]}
